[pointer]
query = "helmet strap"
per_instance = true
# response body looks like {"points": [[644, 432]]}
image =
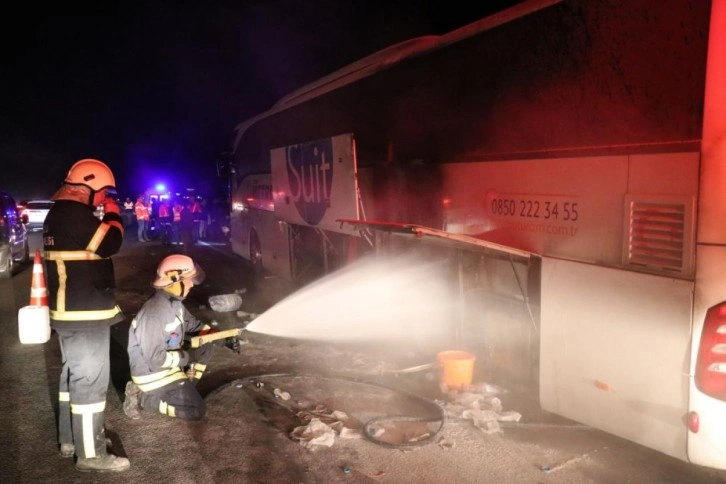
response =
{"points": [[176, 289]]}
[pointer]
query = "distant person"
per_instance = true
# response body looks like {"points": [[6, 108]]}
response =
{"points": [[128, 212], [165, 222], [80, 278], [187, 227], [176, 211], [196, 209], [142, 218], [203, 220], [163, 371]]}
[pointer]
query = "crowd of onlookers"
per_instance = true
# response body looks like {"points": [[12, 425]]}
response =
{"points": [[182, 221]]}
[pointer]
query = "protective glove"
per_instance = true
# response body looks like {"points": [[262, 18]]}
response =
{"points": [[110, 205], [233, 344]]}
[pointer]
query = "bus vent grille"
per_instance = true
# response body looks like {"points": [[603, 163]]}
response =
{"points": [[657, 235]]}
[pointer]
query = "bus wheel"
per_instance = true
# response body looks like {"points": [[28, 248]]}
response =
{"points": [[256, 255]]}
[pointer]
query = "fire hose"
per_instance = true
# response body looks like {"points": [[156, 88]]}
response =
{"points": [[369, 429]]}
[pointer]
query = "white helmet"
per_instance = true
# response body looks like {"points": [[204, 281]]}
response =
{"points": [[176, 268], [91, 173]]}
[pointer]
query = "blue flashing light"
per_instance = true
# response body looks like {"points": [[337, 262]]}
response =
{"points": [[160, 187]]}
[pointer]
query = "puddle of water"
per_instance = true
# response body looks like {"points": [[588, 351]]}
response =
{"points": [[374, 299]]}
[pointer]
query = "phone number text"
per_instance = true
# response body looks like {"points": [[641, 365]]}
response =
{"points": [[547, 210]]}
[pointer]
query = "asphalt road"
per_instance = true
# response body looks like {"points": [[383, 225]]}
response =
{"points": [[246, 438]]}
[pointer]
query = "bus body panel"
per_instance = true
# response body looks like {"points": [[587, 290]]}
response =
{"points": [[615, 351], [571, 208], [566, 207], [314, 183]]}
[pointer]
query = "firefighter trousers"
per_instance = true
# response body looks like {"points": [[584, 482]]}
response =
{"points": [[83, 387], [179, 399]]}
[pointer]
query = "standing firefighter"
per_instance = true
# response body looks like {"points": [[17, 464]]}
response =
{"points": [[78, 247], [157, 354]]}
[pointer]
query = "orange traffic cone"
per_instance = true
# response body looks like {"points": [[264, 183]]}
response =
{"points": [[38, 289]]}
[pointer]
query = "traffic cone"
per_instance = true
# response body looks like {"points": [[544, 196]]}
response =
{"points": [[38, 289]]}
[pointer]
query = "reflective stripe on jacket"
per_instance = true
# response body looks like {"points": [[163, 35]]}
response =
{"points": [[79, 269]]}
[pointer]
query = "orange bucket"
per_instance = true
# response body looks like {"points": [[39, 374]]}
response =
{"points": [[457, 368]]}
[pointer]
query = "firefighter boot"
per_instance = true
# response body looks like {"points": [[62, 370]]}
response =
{"points": [[132, 409], [69, 450], [104, 463]]}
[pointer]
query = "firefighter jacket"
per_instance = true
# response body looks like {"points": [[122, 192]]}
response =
{"points": [[156, 340], [80, 276]]}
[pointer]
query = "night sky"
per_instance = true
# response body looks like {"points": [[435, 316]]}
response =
{"points": [[155, 89]]}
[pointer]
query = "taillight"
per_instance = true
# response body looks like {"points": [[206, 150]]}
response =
{"points": [[711, 361], [694, 422]]}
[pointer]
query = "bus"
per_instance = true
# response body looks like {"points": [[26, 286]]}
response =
{"points": [[568, 158]]}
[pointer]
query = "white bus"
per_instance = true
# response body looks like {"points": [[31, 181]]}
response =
{"points": [[569, 158]]}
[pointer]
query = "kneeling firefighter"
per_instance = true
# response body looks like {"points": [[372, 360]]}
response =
{"points": [[164, 370]]}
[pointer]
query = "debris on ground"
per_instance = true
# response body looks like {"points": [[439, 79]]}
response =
{"points": [[323, 425], [281, 394], [479, 404], [314, 434], [225, 302]]}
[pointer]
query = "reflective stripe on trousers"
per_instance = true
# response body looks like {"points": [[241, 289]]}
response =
{"points": [[82, 388], [180, 399]]}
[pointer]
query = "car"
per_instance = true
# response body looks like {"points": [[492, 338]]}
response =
{"points": [[14, 245], [37, 210]]}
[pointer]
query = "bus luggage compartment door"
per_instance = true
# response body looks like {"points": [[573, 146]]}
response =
{"points": [[614, 351]]}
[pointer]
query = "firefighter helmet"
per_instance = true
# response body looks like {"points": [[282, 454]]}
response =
{"points": [[92, 173], [176, 268]]}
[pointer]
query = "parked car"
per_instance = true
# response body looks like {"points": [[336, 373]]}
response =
{"points": [[37, 210], [14, 247]]}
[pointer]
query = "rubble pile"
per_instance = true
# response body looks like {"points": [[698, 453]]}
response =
{"points": [[480, 404]]}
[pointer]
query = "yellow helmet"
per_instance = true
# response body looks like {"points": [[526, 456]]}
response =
{"points": [[176, 268], [92, 173]]}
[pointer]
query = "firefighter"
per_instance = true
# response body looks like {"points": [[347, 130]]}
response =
{"points": [[163, 370], [80, 277]]}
